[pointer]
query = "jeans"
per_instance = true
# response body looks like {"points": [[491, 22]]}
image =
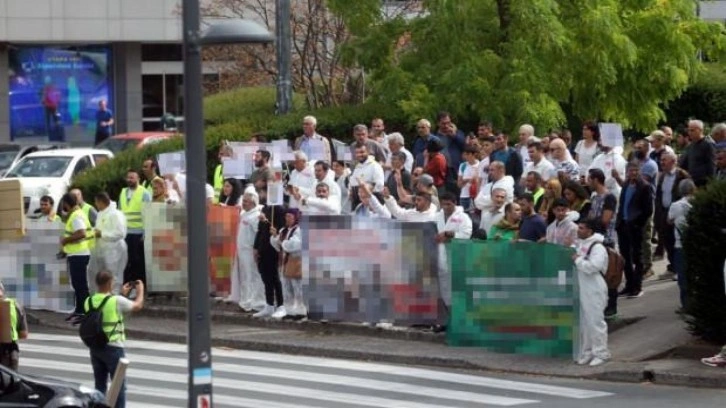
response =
{"points": [[104, 362], [679, 263], [630, 239], [77, 266]]}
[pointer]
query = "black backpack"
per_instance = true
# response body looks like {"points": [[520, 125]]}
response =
{"points": [[91, 327]]}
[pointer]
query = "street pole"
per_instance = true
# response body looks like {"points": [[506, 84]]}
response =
{"points": [[284, 57], [198, 335]]}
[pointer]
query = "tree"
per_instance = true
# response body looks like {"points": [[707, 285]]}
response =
{"points": [[317, 36], [516, 61]]}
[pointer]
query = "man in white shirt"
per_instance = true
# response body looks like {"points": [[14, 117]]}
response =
{"points": [[322, 204], [302, 176], [526, 134], [497, 179], [492, 215], [395, 145], [451, 222], [539, 163], [111, 253], [367, 169], [423, 211]]}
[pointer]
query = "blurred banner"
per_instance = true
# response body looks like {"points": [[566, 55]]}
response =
{"points": [[513, 297], [32, 274], [368, 269], [165, 246]]}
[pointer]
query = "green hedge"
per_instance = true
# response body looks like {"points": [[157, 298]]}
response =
{"points": [[236, 116], [704, 100], [703, 245]]}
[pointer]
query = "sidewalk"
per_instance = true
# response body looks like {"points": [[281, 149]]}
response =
{"points": [[642, 351]]}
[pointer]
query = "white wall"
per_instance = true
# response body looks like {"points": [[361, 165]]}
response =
{"points": [[713, 10], [89, 20]]}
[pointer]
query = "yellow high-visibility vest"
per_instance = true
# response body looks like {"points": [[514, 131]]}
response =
{"points": [[79, 246], [132, 208]]}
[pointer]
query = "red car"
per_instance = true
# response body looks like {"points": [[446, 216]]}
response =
{"points": [[123, 141]]}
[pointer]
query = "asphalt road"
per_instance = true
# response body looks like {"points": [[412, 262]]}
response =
{"points": [[157, 378]]}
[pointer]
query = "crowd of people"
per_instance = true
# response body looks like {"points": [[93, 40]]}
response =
{"points": [[586, 195]]}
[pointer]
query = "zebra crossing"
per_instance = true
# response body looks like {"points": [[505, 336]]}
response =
{"points": [[157, 377]]}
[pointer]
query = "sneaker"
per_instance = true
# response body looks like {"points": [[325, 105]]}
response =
{"points": [[637, 294], [266, 311], [245, 306], [624, 293], [584, 360], [279, 313], [719, 360], [610, 314], [597, 361]]}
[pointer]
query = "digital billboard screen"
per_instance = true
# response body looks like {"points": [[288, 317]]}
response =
{"points": [[55, 91]]}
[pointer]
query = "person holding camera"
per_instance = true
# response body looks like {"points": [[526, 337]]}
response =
{"points": [[104, 360]]}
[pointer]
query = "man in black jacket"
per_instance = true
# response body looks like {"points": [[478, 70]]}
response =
{"points": [[635, 207], [700, 159]]}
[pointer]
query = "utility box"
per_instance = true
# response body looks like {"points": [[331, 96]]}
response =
{"points": [[12, 211]]}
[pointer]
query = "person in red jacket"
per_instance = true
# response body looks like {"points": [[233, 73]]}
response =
{"points": [[435, 164]]}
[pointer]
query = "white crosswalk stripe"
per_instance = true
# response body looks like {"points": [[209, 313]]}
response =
{"points": [[157, 378]]}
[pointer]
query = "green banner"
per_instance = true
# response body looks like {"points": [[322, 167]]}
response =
{"points": [[513, 297]]}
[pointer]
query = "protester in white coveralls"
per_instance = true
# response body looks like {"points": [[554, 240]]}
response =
{"points": [[247, 288], [111, 253], [289, 244], [451, 222], [591, 262]]}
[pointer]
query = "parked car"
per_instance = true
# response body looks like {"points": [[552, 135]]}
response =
{"points": [[11, 153], [123, 141], [51, 173], [19, 390]]}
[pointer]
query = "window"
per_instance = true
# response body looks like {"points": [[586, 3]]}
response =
{"points": [[83, 164], [99, 158]]}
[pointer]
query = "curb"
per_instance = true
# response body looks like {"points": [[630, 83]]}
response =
{"points": [[632, 373]]}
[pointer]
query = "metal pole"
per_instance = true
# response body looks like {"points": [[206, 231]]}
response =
{"points": [[284, 57], [198, 335]]}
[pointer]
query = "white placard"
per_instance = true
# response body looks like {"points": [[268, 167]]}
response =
{"points": [[611, 135], [276, 189], [172, 162], [238, 168], [317, 150], [342, 152]]}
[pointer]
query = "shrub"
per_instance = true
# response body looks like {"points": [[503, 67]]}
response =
{"points": [[703, 245], [704, 100]]}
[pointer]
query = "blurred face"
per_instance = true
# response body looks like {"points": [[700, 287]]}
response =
{"points": [[78, 195], [633, 173], [667, 162], [682, 140], [446, 126], [515, 213], [259, 160], [448, 207], [338, 169], [557, 151], [422, 129], [99, 204], [569, 195], [560, 212], [495, 172], [394, 147], [308, 128], [500, 142], [523, 136], [363, 195], [321, 191], [102, 105], [157, 189], [694, 132], [361, 135], [534, 154], [483, 131], [132, 179], [721, 159], [299, 164], [361, 154], [421, 203], [148, 168], [657, 143], [320, 173], [396, 162], [587, 133], [227, 188], [668, 132], [247, 204], [642, 147], [377, 125], [583, 232], [567, 137], [531, 183], [45, 207], [289, 220], [526, 206], [498, 198], [486, 148]]}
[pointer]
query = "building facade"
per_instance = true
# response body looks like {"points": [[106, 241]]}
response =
{"points": [[62, 57]]}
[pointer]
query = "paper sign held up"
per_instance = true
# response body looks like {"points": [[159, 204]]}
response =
{"points": [[172, 163], [611, 134]]}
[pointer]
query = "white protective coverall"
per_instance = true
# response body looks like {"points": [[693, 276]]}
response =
{"points": [[246, 283], [460, 224], [593, 298], [110, 253], [291, 288]]}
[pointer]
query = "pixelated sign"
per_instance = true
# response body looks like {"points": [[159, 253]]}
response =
{"points": [[367, 269], [30, 271], [165, 246], [513, 297]]}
